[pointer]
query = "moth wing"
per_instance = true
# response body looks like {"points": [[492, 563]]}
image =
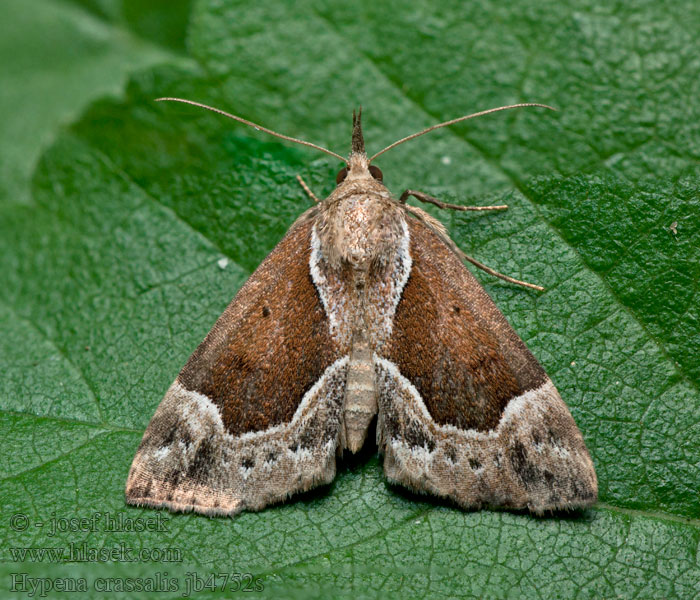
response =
{"points": [[465, 410], [254, 415]]}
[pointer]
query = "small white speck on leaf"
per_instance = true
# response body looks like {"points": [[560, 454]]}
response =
{"points": [[573, 363], [446, 160], [673, 228], [222, 262]]}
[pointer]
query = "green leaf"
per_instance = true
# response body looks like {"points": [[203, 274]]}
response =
{"points": [[164, 22], [56, 59], [110, 277]]}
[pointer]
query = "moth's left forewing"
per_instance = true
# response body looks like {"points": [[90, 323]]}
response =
{"points": [[465, 410], [255, 414]]}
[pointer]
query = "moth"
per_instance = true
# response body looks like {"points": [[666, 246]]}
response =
{"points": [[365, 309]]}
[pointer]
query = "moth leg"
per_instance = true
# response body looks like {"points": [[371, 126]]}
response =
{"points": [[490, 271], [430, 200], [441, 232], [307, 189]]}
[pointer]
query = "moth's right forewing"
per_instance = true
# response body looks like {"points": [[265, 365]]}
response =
{"points": [[255, 414], [465, 410]]}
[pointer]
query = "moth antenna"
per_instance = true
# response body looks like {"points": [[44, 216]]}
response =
{"points": [[253, 125], [457, 120]]}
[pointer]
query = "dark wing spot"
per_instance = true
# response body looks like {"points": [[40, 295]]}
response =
{"points": [[527, 471], [171, 435], [185, 437], [138, 491], [583, 492], [311, 435], [474, 464], [265, 311], [173, 478], [248, 462], [416, 437], [391, 424], [456, 309], [554, 439], [307, 440], [202, 461]]}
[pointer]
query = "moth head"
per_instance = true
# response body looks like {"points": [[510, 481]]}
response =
{"points": [[357, 165], [374, 172]]}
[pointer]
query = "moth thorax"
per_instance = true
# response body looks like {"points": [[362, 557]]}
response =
{"points": [[363, 231]]}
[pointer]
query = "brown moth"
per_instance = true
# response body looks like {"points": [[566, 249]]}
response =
{"points": [[364, 308]]}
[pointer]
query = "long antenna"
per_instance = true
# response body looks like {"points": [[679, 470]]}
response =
{"points": [[457, 120], [253, 125]]}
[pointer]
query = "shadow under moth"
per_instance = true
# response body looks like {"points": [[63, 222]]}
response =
{"points": [[364, 309]]}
